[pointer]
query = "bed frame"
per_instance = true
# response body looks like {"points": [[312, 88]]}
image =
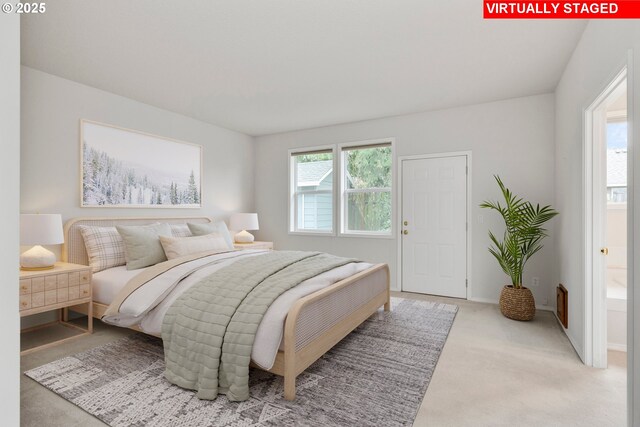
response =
{"points": [[314, 323]]}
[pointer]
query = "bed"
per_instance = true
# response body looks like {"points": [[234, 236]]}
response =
{"points": [[313, 324]]}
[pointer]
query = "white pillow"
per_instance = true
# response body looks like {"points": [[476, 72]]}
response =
{"points": [[105, 247], [218, 227], [176, 247]]}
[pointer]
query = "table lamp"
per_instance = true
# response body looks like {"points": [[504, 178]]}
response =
{"points": [[244, 222], [39, 229]]}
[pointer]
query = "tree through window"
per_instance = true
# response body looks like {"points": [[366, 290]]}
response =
{"points": [[367, 182]]}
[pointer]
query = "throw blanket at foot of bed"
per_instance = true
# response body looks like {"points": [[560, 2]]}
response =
{"points": [[209, 330]]}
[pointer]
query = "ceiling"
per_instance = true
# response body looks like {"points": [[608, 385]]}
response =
{"points": [[262, 67]]}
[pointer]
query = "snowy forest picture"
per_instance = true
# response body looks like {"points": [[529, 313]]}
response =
{"points": [[125, 168]]}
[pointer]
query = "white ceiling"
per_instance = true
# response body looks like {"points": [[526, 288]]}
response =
{"points": [[262, 67]]}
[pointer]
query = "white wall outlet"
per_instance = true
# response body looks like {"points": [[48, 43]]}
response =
{"points": [[545, 301], [535, 281], [480, 219]]}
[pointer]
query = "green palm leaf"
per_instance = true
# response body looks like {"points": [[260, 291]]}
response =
{"points": [[523, 233]]}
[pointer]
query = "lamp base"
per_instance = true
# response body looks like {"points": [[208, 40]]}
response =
{"points": [[51, 267], [244, 237], [37, 258]]}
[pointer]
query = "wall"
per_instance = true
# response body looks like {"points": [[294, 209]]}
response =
{"points": [[51, 111], [617, 236], [617, 277], [600, 53], [512, 138], [9, 211], [617, 324], [617, 245], [50, 176]]}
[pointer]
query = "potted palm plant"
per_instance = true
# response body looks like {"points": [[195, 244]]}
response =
{"points": [[522, 238]]}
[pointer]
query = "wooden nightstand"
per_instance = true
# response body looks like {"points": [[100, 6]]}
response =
{"points": [[61, 287], [254, 245]]}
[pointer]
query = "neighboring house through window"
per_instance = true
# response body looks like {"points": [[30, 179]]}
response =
{"points": [[312, 191]]}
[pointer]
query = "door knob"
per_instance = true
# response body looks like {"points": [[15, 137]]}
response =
{"points": [[405, 232], [406, 223], [605, 251]]}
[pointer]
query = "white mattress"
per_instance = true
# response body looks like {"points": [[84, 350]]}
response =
{"points": [[107, 283]]}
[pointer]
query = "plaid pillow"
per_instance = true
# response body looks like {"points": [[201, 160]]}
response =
{"points": [[180, 230], [105, 247]]}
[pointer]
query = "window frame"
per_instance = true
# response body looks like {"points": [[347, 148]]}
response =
{"points": [[342, 149], [292, 227]]}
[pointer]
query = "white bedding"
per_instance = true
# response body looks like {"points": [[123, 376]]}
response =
{"points": [[147, 306], [107, 283]]}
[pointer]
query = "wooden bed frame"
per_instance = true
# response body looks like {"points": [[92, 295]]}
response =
{"points": [[294, 359]]}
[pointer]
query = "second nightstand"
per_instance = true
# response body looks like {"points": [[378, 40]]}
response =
{"points": [[254, 245], [59, 288]]}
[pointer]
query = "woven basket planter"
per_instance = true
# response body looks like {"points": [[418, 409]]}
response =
{"points": [[517, 304]]}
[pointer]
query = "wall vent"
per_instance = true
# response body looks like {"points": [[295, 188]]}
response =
{"points": [[562, 305]]}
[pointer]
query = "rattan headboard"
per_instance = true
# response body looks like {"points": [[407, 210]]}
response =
{"points": [[74, 250]]}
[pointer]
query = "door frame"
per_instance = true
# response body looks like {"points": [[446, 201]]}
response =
{"points": [[401, 159], [594, 218]]}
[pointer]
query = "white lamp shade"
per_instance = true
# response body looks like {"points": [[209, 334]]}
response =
{"points": [[41, 229], [244, 221]]}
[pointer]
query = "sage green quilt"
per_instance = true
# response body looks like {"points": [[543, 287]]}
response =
{"points": [[208, 332]]}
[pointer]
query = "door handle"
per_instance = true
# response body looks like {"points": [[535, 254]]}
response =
{"points": [[405, 232], [605, 251]]}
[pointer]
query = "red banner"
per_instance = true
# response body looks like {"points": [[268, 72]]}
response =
{"points": [[622, 9]]}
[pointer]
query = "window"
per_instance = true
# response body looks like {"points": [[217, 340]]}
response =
{"points": [[311, 191], [617, 194], [366, 202], [364, 183], [617, 159]]}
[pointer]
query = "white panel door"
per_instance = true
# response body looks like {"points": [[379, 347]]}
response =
{"points": [[434, 231]]}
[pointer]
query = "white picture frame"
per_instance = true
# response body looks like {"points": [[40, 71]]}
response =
{"points": [[125, 168]]}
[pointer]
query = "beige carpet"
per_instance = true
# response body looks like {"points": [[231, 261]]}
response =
{"points": [[498, 372], [492, 372]]}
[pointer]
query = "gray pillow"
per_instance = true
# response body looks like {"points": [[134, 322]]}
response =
{"points": [[142, 245], [213, 227]]}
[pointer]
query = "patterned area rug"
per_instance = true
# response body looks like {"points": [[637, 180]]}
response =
{"points": [[376, 376]]}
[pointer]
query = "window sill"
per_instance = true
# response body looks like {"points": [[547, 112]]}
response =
{"points": [[331, 234], [368, 235], [313, 233], [616, 206]]}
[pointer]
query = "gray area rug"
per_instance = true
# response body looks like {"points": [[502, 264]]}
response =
{"points": [[376, 376]]}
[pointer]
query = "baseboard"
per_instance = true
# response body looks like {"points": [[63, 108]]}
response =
{"points": [[617, 347], [573, 344], [484, 300], [491, 301], [610, 346], [566, 333]]}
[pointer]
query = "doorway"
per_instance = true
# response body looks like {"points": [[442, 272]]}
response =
{"points": [[606, 178], [434, 243]]}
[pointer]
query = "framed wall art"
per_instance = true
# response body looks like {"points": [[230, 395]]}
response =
{"points": [[131, 169]]}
